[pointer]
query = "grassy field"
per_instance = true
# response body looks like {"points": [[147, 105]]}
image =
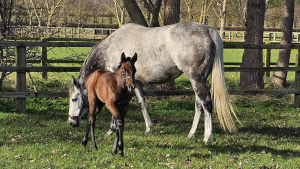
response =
{"points": [[42, 137]]}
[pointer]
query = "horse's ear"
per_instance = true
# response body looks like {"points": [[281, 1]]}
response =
{"points": [[134, 58], [123, 57], [74, 81]]}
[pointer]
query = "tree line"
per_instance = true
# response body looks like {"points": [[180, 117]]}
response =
{"points": [[253, 15], [93, 13]]}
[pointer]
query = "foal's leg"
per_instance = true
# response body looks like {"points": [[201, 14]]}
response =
{"points": [[112, 126], [119, 143], [92, 125], [92, 110], [141, 99], [119, 127]]}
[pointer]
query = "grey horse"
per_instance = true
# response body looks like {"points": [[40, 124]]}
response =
{"points": [[164, 54]]}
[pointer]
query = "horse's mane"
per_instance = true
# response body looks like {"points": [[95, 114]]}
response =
{"points": [[126, 60]]}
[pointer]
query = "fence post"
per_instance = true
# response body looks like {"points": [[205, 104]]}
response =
{"points": [[297, 80], [275, 36], [267, 60], [21, 78], [44, 59]]}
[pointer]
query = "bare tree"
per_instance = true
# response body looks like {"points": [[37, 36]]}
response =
{"points": [[279, 77], [253, 35], [223, 19], [135, 12], [205, 7], [6, 7], [5, 13], [171, 11], [117, 8], [153, 9], [238, 10], [51, 6]]}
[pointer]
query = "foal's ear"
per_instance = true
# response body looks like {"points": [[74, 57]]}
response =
{"points": [[123, 57], [134, 58]]}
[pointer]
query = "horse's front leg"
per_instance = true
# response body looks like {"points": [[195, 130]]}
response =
{"points": [[141, 99]]}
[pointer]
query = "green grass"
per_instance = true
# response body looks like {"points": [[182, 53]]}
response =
{"points": [[42, 137]]}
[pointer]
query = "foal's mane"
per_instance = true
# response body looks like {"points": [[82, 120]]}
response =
{"points": [[126, 60]]}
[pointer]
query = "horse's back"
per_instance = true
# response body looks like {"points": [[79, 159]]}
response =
{"points": [[164, 52]]}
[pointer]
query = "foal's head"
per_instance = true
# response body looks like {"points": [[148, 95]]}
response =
{"points": [[128, 70]]}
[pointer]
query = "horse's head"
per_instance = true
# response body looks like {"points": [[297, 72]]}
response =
{"points": [[78, 99], [128, 70]]}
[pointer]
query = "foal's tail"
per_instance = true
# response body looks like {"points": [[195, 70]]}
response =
{"points": [[219, 93]]}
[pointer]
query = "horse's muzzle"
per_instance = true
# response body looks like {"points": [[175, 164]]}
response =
{"points": [[131, 87], [75, 121]]}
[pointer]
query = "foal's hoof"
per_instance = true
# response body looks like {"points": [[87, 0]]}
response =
{"points": [[109, 132], [84, 143], [121, 154]]}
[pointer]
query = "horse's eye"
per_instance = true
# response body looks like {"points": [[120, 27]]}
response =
{"points": [[74, 100]]}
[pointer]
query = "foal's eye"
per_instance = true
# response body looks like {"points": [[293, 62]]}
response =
{"points": [[74, 100]]}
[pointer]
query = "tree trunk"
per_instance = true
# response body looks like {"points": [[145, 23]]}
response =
{"points": [[171, 11], [223, 20], [135, 12], [155, 13], [171, 16], [279, 77], [5, 14], [253, 35]]}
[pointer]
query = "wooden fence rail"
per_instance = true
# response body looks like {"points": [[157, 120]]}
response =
{"points": [[21, 70]]}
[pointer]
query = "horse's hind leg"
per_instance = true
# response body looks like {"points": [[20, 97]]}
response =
{"points": [[203, 99], [198, 110], [141, 99]]}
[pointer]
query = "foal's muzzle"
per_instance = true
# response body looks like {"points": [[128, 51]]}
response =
{"points": [[129, 81]]}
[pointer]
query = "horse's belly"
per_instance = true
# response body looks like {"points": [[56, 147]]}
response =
{"points": [[157, 75]]}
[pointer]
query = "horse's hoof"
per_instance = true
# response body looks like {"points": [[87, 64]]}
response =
{"points": [[114, 153], [207, 140], [191, 136], [148, 132]]}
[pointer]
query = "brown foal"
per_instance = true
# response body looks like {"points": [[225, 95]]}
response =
{"points": [[113, 89]]}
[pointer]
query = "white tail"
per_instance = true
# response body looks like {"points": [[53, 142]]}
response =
{"points": [[219, 93]]}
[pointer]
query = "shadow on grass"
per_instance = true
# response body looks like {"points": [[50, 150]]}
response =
{"points": [[239, 149], [273, 131]]}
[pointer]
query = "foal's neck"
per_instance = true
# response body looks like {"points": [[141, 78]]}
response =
{"points": [[120, 79]]}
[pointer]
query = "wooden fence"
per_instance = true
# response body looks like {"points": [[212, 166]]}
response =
{"points": [[21, 70]]}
